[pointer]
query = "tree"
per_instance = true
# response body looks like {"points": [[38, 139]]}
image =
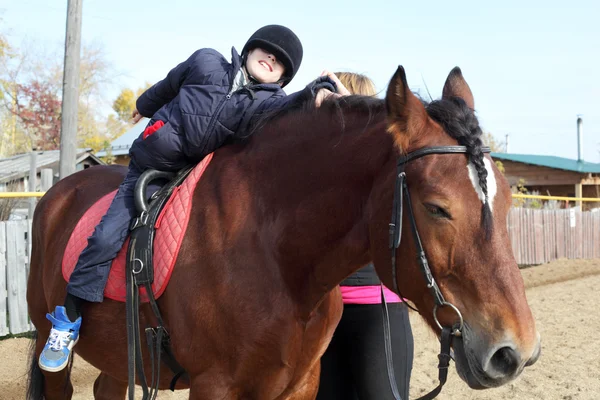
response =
{"points": [[124, 104], [494, 145], [96, 73], [31, 86], [12, 66], [490, 141], [4, 49], [38, 108]]}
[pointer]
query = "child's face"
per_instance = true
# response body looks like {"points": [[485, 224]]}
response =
{"points": [[263, 66]]}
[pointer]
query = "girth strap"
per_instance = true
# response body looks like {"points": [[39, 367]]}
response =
{"points": [[140, 273]]}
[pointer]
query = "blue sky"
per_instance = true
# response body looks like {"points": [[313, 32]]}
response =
{"points": [[533, 66]]}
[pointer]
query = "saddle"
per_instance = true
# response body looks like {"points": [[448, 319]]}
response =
{"points": [[170, 228]]}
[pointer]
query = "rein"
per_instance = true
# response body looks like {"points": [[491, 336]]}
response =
{"points": [[401, 191]]}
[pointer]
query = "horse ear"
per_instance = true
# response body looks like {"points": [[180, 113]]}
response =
{"points": [[456, 86], [406, 114]]}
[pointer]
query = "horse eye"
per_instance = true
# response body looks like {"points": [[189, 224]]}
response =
{"points": [[437, 211]]}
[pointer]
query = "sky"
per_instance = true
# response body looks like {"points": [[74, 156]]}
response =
{"points": [[533, 66]]}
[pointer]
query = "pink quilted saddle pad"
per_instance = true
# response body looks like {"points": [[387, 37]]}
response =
{"points": [[170, 228]]}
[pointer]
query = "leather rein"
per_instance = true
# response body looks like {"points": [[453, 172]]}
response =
{"points": [[401, 192]]}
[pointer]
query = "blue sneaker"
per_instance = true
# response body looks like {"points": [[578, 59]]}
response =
{"points": [[63, 337]]}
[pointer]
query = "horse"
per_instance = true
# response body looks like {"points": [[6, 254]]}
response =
{"points": [[279, 220]]}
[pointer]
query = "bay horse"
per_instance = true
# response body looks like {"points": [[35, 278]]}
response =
{"points": [[279, 221]]}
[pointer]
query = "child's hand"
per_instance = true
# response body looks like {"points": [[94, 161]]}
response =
{"points": [[136, 116], [341, 89]]}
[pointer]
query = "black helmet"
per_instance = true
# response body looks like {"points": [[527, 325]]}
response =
{"points": [[282, 43]]}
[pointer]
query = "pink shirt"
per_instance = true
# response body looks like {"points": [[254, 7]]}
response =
{"points": [[367, 295]]}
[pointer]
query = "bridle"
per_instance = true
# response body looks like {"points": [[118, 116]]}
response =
{"points": [[401, 191]]}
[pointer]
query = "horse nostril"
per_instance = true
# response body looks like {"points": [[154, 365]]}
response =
{"points": [[504, 362]]}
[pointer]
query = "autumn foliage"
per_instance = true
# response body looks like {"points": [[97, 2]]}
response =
{"points": [[39, 108]]}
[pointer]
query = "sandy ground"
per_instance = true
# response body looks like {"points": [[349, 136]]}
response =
{"points": [[562, 294]]}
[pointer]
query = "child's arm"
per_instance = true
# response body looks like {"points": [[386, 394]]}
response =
{"points": [[309, 92], [164, 91]]}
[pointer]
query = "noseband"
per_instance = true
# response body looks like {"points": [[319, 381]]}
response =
{"points": [[401, 191]]}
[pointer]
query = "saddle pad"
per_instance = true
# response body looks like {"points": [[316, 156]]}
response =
{"points": [[170, 228]]}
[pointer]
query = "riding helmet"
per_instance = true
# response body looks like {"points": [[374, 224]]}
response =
{"points": [[282, 43]]}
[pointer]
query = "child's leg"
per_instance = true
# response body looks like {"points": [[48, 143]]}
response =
{"points": [[89, 277]]}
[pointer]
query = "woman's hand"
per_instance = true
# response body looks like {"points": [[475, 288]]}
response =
{"points": [[136, 116], [324, 94]]}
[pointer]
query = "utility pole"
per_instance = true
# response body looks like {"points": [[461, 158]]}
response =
{"points": [[70, 94], [32, 180], [506, 143]]}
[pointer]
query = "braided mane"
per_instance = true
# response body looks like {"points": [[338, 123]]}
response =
{"points": [[460, 122]]}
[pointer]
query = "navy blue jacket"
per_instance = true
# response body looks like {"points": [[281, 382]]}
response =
{"points": [[200, 111]]}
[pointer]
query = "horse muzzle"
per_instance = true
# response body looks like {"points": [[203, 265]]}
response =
{"points": [[482, 365]]}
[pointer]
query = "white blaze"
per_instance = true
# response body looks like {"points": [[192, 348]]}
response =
{"points": [[491, 182]]}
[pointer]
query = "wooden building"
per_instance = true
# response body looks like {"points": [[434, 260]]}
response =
{"points": [[15, 176], [14, 170], [551, 175]]}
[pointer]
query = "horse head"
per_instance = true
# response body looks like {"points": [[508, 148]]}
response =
{"points": [[459, 203]]}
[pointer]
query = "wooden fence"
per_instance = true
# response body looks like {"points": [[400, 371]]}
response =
{"points": [[14, 268], [537, 237], [540, 236]]}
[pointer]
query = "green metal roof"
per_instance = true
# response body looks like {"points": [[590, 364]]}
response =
{"points": [[567, 164]]}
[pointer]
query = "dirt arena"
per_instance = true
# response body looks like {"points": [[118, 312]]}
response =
{"points": [[564, 299]]}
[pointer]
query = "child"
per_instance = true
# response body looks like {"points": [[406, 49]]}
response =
{"points": [[202, 103]]}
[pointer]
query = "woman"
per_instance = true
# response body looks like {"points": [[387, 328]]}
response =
{"points": [[354, 364]]}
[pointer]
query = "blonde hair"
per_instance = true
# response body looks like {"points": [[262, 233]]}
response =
{"points": [[357, 83]]}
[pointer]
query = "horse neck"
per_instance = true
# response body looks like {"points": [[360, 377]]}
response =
{"points": [[315, 181]]}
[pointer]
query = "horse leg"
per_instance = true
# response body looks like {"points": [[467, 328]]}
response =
{"points": [[57, 385], [108, 388], [307, 390]]}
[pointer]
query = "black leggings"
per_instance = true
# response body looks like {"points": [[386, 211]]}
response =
{"points": [[354, 365]]}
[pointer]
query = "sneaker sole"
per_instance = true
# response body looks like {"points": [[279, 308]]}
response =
{"points": [[63, 365]]}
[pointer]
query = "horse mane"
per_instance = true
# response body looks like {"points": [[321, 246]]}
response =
{"points": [[341, 107], [456, 118], [460, 122]]}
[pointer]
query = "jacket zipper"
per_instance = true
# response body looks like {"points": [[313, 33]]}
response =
{"points": [[220, 107]]}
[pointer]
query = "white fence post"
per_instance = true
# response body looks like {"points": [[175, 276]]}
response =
{"points": [[46, 178], [3, 293], [16, 276]]}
